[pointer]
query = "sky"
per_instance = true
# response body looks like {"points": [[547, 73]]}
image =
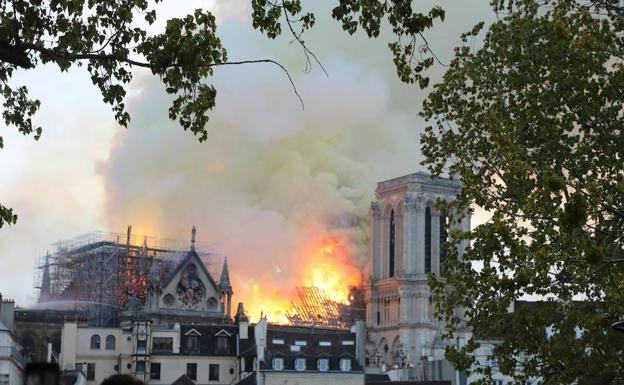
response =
{"points": [[271, 181]]}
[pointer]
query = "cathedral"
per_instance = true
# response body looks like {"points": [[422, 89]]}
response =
{"points": [[406, 234], [156, 312]]}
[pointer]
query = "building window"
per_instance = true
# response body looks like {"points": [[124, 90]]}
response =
{"points": [[443, 239], [222, 344], [300, 364], [155, 371], [95, 341], [391, 250], [345, 364], [324, 343], [91, 371], [192, 344], [213, 372], [499, 382], [140, 367], [278, 341], [322, 364], [79, 368], [110, 342], [191, 371], [427, 240], [141, 346], [278, 363], [162, 344], [348, 343], [301, 343]]}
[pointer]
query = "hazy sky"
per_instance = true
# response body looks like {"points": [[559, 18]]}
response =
{"points": [[270, 176]]}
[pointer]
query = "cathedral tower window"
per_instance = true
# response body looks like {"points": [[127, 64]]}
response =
{"points": [[392, 245], [443, 239], [427, 240]]}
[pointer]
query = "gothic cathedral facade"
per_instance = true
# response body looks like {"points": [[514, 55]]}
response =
{"points": [[406, 234]]}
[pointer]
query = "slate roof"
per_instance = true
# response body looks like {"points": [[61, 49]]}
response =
{"points": [[312, 350], [192, 254], [208, 337], [183, 380], [249, 380]]}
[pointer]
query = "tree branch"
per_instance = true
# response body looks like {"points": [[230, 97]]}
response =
{"points": [[292, 83], [14, 55]]}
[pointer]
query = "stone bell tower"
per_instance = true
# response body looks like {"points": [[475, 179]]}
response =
{"points": [[406, 232]]}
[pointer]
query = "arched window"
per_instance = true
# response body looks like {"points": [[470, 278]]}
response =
{"points": [[391, 250], [110, 342], [95, 341], [427, 240], [443, 239]]}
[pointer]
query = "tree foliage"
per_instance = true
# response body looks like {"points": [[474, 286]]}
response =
{"points": [[106, 38], [532, 124]]}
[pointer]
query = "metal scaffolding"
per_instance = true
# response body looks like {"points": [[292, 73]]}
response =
{"points": [[96, 273]]}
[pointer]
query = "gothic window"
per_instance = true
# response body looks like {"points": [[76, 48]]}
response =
{"points": [[427, 240], [443, 239], [168, 299], [392, 245], [110, 342], [95, 341]]}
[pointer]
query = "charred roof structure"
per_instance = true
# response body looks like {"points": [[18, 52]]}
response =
{"points": [[313, 308]]}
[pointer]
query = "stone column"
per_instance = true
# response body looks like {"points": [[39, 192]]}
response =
{"points": [[435, 241], [374, 241], [409, 233], [418, 255]]}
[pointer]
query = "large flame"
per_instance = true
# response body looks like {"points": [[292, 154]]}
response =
{"points": [[325, 263], [329, 266]]}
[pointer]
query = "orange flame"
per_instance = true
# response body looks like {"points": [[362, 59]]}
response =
{"points": [[326, 264], [329, 267]]}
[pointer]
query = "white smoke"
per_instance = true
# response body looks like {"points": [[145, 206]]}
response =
{"points": [[271, 177]]}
